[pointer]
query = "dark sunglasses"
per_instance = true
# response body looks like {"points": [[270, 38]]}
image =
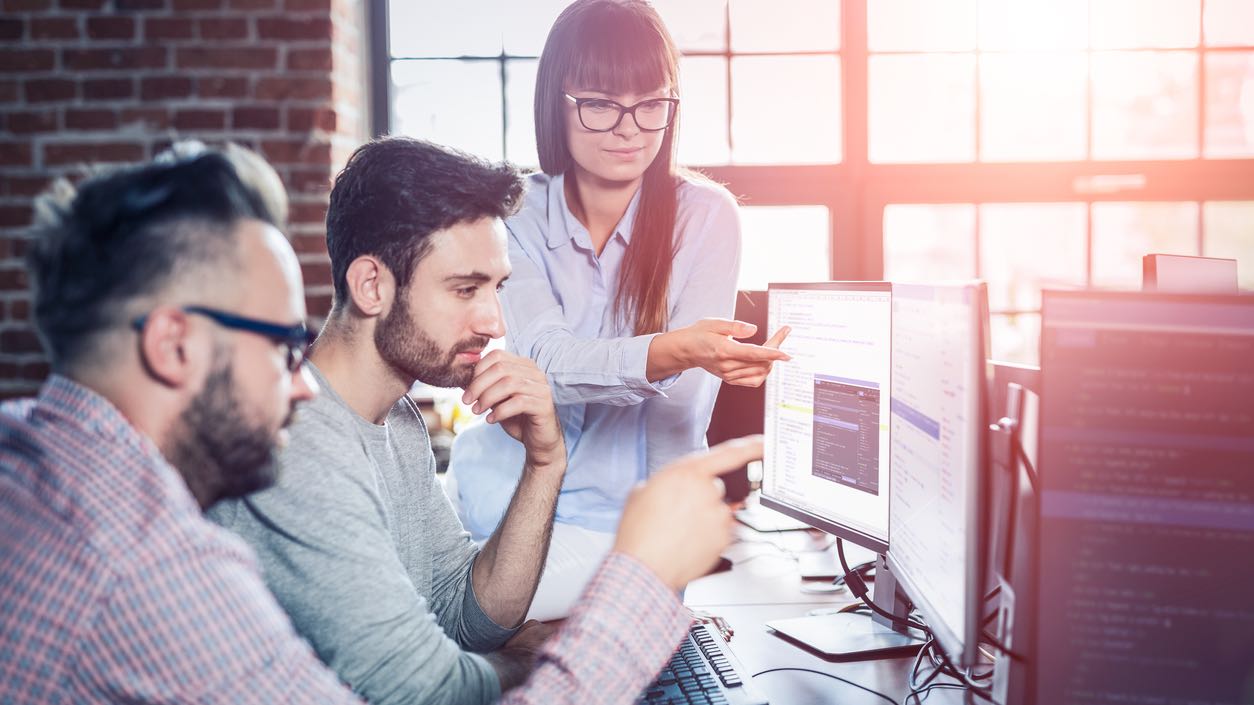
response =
{"points": [[294, 339]]}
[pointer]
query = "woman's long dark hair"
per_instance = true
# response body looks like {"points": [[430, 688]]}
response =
{"points": [[619, 46]]}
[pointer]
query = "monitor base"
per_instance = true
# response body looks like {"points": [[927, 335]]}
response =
{"points": [[847, 637]]}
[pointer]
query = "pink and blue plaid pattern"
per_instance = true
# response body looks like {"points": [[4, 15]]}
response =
{"points": [[622, 631], [112, 585]]}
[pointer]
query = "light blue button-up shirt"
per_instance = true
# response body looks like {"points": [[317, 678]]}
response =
{"points": [[559, 310]]}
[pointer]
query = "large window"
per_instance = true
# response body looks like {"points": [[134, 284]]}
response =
{"points": [[1027, 142]]}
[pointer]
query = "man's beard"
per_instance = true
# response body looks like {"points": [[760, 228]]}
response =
{"points": [[217, 450], [413, 355]]}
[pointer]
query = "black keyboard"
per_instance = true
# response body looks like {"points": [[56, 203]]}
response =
{"points": [[703, 671]]}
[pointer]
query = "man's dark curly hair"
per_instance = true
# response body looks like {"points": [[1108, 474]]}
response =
{"points": [[106, 250], [395, 192]]}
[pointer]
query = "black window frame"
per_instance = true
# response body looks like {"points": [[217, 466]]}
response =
{"points": [[856, 191]]}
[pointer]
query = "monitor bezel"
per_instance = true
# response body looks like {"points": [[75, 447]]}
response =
{"points": [[964, 648], [1207, 297], [847, 533], [1157, 296]]}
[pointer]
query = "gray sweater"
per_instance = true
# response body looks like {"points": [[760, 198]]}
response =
{"points": [[362, 549]]}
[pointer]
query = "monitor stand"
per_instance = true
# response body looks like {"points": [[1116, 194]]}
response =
{"points": [[851, 636], [1014, 565]]}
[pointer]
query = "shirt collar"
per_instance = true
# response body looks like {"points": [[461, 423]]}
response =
{"points": [[62, 396], [571, 229]]}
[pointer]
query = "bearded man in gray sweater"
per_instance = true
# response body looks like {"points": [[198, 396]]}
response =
{"points": [[357, 540]]}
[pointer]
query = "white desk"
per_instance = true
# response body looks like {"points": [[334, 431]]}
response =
{"points": [[764, 585]]}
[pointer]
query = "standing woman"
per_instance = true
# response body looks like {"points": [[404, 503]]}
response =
{"points": [[624, 276]]}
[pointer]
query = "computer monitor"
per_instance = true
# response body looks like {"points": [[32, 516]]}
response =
{"points": [[1146, 533], [939, 431], [826, 414], [1186, 274], [826, 454]]}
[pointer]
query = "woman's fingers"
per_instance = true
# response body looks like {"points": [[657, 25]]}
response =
{"points": [[778, 339]]}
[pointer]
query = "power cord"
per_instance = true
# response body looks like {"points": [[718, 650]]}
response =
{"points": [[866, 571], [975, 684], [921, 694], [858, 587], [854, 579], [859, 686]]}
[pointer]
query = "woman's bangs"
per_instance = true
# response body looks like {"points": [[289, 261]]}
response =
{"points": [[627, 59]]}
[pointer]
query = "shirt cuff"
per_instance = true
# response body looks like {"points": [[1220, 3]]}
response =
{"points": [[625, 626], [635, 365], [631, 607]]}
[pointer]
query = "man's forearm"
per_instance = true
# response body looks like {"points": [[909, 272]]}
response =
{"points": [[508, 567]]}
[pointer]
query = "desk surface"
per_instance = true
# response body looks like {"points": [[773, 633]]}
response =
{"points": [[764, 584]]}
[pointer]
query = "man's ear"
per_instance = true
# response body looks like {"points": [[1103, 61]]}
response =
{"points": [[163, 346], [370, 285]]}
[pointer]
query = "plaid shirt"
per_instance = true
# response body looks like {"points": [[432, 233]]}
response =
{"points": [[622, 631], [115, 588]]}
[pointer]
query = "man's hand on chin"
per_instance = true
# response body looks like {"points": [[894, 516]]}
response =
{"points": [[520, 400]]}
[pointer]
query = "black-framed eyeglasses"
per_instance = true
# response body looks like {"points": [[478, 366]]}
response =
{"points": [[603, 114], [294, 339]]}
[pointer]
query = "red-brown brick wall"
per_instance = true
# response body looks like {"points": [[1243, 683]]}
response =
{"points": [[108, 81]]}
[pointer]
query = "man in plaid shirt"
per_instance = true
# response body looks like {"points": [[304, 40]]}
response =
{"points": [[171, 308]]}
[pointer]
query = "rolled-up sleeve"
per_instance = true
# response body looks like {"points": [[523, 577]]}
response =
{"points": [[453, 595]]}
